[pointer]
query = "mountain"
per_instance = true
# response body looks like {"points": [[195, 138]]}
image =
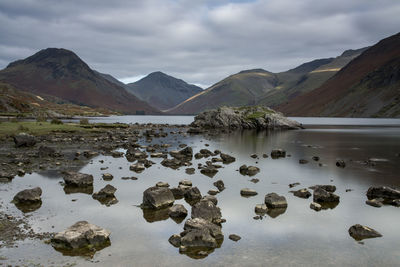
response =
{"points": [[61, 73], [369, 86], [21, 103], [162, 91], [260, 87], [241, 89]]}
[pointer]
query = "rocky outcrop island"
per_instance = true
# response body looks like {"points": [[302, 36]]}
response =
{"points": [[254, 117]]}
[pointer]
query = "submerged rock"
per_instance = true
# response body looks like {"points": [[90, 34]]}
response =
{"points": [[81, 235], [157, 197], [254, 117], [360, 232]]}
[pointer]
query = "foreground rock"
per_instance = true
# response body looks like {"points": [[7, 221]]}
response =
{"points": [[157, 197], [360, 232], [275, 201], [80, 236], [178, 211], [247, 192], [321, 196], [78, 179], [234, 237], [24, 140], [303, 193], [106, 195], [255, 117], [385, 192], [28, 196], [207, 210]]}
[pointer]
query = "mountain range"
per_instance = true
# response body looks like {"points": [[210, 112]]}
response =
{"points": [[61, 73], [358, 83]]}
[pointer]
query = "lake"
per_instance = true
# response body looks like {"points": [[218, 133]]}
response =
{"points": [[298, 237]]}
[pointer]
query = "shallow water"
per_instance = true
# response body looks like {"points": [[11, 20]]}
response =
{"points": [[298, 237]]}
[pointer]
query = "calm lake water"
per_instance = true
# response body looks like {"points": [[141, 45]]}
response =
{"points": [[298, 237]]}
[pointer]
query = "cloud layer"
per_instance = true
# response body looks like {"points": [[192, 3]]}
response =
{"points": [[199, 41]]}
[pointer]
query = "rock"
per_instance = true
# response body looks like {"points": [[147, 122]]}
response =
{"points": [[157, 197], [157, 155], [234, 237], [220, 185], [384, 192], [199, 224], [105, 192], [340, 163], [293, 185], [209, 171], [28, 196], [162, 184], [327, 187], [227, 158], [315, 158], [185, 182], [6, 176], [117, 154], [213, 199], [261, 209], [172, 163], [213, 192], [303, 193], [24, 140], [321, 195], [45, 151], [255, 180], [254, 117], [78, 179], [106, 195], [177, 211], [81, 235], [360, 232], [20, 172], [254, 156], [395, 202], [250, 170], [248, 192], [185, 154], [273, 200], [264, 156], [206, 210], [278, 153], [376, 202], [199, 238], [107, 177], [179, 191], [192, 194], [303, 161], [129, 178], [315, 206], [138, 167], [175, 240], [190, 170]]}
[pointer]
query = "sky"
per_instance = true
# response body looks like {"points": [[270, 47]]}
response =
{"points": [[199, 41]]}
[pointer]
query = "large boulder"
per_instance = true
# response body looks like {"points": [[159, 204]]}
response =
{"points": [[384, 192], [206, 210], [254, 117], [28, 196], [359, 232], [157, 197], [24, 140], [81, 235], [275, 201], [78, 179]]}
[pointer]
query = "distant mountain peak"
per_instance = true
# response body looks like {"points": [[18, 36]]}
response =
{"points": [[253, 71]]}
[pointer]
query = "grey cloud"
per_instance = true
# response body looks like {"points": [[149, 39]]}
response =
{"points": [[198, 41]]}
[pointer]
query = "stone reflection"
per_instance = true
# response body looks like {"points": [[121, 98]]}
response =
{"points": [[28, 207], [155, 215]]}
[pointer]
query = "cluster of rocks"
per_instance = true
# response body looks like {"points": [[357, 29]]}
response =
{"points": [[380, 195]]}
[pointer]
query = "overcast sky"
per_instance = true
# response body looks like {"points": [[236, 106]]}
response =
{"points": [[199, 41]]}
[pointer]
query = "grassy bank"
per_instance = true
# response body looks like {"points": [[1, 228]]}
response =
{"points": [[41, 128]]}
